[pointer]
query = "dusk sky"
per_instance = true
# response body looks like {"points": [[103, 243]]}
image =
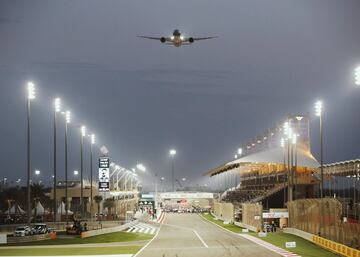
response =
{"points": [[142, 98]]}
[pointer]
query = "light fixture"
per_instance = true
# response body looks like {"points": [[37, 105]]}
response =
{"points": [[57, 104], [83, 131], [92, 136], [172, 152], [357, 76], [31, 90], [318, 108], [67, 116]]}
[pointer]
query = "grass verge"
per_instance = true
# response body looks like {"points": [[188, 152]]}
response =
{"points": [[70, 251], [106, 238], [303, 248]]}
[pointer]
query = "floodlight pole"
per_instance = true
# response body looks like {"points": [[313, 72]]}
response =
{"points": [[66, 172], [54, 218], [28, 161]]}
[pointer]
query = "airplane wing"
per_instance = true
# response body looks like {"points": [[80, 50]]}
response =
{"points": [[155, 38], [161, 39], [203, 38]]}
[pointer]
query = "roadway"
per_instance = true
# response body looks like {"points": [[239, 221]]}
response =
{"points": [[183, 235]]}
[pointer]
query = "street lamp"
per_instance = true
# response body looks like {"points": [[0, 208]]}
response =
{"points": [[318, 112], [92, 141], [57, 107], [83, 134], [67, 121], [357, 76], [30, 96], [172, 153]]}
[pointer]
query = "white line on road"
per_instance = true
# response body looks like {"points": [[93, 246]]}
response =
{"points": [[202, 241]]}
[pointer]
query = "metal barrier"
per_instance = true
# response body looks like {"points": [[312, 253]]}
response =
{"points": [[336, 247]]}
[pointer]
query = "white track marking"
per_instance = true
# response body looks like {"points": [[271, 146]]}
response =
{"points": [[202, 241], [142, 249]]}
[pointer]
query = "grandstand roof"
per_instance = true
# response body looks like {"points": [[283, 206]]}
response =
{"points": [[274, 155]]}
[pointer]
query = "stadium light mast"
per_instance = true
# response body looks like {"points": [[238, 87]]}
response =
{"points": [[318, 112], [172, 153], [57, 108], [83, 134], [30, 96], [67, 121], [92, 142]]}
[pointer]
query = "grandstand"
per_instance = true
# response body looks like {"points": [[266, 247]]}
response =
{"points": [[274, 168]]}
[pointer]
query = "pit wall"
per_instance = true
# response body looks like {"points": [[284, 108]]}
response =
{"points": [[224, 211], [323, 217]]}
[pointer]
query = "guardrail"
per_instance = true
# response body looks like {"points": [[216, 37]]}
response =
{"points": [[107, 230], [336, 247]]}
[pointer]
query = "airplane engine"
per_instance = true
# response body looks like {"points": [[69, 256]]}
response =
{"points": [[191, 40], [162, 40]]}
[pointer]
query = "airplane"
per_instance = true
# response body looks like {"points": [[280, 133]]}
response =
{"points": [[177, 39]]}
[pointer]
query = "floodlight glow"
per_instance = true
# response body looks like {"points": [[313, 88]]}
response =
{"points": [[182, 38], [240, 151], [172, 152], [83, 131], [318, 108], [235, 156], [76, 172], [57, 104], [141, 167], [92, 139], [282, 142], [172, 37], [357, 76], [67, 116], [286, 128], [31, 90], [37, 172]]}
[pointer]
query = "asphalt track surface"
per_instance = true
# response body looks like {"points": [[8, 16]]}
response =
{"points": [[183, 235]]}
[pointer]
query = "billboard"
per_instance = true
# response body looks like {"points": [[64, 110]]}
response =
{"points": [[104, 174]]}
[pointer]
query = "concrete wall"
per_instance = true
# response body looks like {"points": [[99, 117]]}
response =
{"points": [[243, 225], [224, 211], [252, 215], [300, 233], [23, 239], [108, 230], [324, 216]]}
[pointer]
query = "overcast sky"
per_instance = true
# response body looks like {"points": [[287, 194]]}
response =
{"points": [[141, 98]]}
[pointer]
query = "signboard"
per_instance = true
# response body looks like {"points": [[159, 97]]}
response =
{"points": [[3, 239], [186, 195], [262, 234], [290, 244], [104, 174], [275, 215], [245, 230], [104, 162], [147, 203]]}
